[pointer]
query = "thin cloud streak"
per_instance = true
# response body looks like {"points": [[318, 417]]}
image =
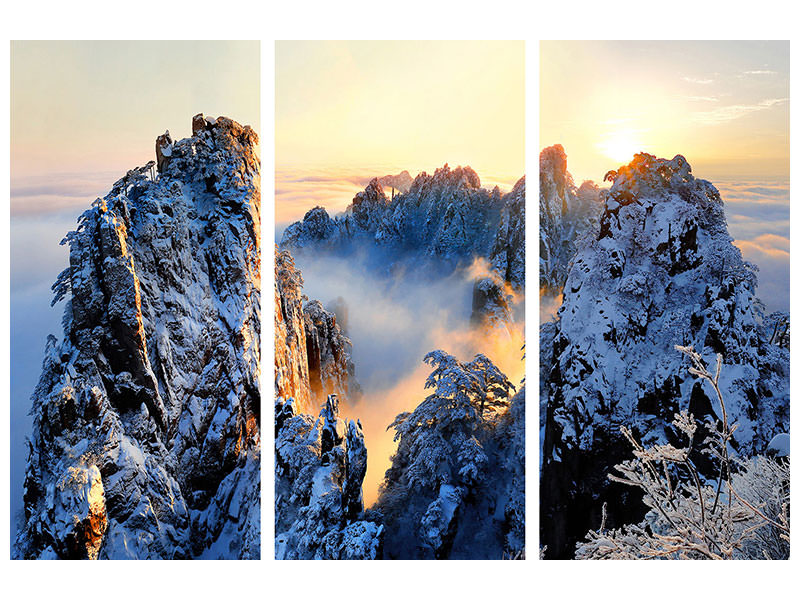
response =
{"points": [[698, 80], [725, 114]]}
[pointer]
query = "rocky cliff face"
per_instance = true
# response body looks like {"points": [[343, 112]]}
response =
{"points": [[312, 354], [568, 217], [661, 270], [291, 358], [320, 465], [446, 215], [320, 462], [146, 435]]}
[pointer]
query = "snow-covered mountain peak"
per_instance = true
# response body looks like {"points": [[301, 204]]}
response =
{"points": [[152, 397], [661, 270], [649, 177]]}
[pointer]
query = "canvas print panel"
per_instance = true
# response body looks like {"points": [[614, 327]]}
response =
{"points": [[143, 435], [399, 300], [664, 286]]}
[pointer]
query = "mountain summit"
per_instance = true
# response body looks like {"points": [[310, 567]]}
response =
{"points": [[146, 436], [660, 270]]}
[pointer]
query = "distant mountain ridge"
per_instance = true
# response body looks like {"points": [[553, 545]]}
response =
{"points": [[446, 215]]}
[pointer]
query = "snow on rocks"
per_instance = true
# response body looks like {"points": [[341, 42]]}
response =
{"points": [[661, 270], [779, 445], [158, 371], [447, 215], [330, 365], [568, 216], [78, 510], [319, 468]]}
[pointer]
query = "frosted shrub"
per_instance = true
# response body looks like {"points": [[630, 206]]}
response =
{"points": [[744, 514]]}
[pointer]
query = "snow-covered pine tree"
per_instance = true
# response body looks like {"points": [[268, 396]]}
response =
{"points": [[450, 476]]}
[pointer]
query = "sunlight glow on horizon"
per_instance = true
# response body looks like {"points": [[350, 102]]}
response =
{"points": [[723, 105], [621, 146], [344, 105]]}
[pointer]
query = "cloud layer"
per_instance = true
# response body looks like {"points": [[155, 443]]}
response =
{"points": [[58, 192], [396, 313]]}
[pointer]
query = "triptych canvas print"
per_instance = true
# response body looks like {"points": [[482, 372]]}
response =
{"points": [[399, 344]]}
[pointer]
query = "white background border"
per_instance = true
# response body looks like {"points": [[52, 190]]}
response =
{"points": [[233, 19]]}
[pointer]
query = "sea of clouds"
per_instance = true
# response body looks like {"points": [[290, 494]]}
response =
{"points": [[758, 220], [396, 312]]}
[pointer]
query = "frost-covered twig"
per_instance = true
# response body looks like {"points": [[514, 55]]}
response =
{"points": [[754, 524]]}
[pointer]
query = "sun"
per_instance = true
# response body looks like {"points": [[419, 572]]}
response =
{"points": [[620, 146]]}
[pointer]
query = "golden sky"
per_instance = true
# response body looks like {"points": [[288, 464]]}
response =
{"points": [[84, 107], [401, 105], [723, 105]]}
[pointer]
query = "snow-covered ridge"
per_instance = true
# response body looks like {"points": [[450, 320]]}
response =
{"points": [[446, 215], [146, 434], [661, 270]]}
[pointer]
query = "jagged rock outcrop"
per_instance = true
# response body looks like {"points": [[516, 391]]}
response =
{"points": [[330, 365], [568, 217], [495, 293], [312, 354], [146, 434], [661, 270], [401, 182], [291, 353], [446, 215], [320, 465], [507, 255], [492, 304]]}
